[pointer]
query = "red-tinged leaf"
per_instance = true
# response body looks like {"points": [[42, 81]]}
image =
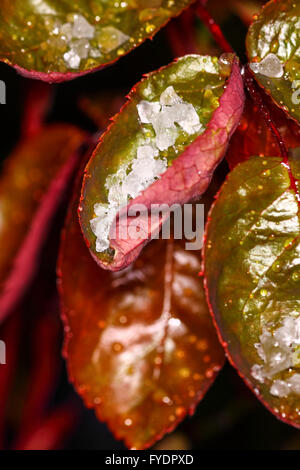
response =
{"points": [[52, 432], [140, 344], [10, 334], [254, 137], [101, 107], [245, 9], [252, 276], [203, 91], [32, 184], [57, 41], [37, 103], [44, 368], [272, 47]]}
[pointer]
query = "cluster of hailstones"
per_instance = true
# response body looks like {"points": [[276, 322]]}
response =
{"points": [[78, 33], [134, 177], [279, 351]]}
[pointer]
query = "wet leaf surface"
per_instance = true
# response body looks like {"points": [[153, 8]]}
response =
{"points": [[254, 137], [56, 41], [206, 100], [272, 47], [140, 344], [24, 184], [252, 274]]}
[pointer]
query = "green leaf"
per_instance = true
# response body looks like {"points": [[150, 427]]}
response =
{"points": [[55, 41], [273, 50], [206, 102], [252, 275]]}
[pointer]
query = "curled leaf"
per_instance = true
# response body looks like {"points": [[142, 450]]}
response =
{"points": [[31, 185], [272, 47], [252, 275], [56, 41], [140, 344], [161, 149]]}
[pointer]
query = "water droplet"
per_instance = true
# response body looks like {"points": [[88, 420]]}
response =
{"points": [[263, 292], [197, 376], [167, 400], [184, 372], [266, 173], [180, 411], [180, 353], [117, 347], [202, 345], [123, 319]]}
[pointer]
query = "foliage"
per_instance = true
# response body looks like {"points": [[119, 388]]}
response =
{"points": [[146, 320]]}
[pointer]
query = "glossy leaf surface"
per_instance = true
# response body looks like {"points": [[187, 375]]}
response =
{"points": [[272, 47], [212, 90], [56, 41], [140, 344], [24, 184], [254, 137], [252, 275]]}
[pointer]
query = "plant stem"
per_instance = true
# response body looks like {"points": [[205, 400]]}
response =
{"points": [[213, 27], [258, 100]]}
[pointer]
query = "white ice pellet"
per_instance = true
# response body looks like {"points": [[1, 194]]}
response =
{"points": [[72, 59], [280, 388], [130, 181], [116, 195], [77, 35], [95, 53], [279, 351], [116, 38], [147, 111], [82, 28], [283, 388], [270, 66], [294, 383], [257, 373], [169, 97], [100, 209], [102, 244], [187, 118], [289, 333], [66, 31], [146, 151], [81, 47], [165, 138]]}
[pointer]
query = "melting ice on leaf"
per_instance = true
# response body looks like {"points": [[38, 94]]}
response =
{"points": [[273, 43], [252, 271], [140, 344], [161, 149], [55, 41]]}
